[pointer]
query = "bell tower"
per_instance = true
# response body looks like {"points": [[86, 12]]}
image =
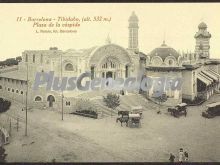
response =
{"points": [[133, 32], [202, 38]]}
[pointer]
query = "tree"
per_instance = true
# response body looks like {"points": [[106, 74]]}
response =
{"points": [[112, 101], [19, 58], [2, 154]]}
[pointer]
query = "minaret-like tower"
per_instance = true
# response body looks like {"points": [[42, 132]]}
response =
{"points": [[133, 32], [202, 42]]}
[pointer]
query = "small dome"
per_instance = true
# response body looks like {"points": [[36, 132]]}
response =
{"points": [[133, 17], [164, 51], [202, 25]]}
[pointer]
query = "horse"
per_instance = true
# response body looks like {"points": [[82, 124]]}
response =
{"points": [[173, 111], [123, 120], [123, 113]]}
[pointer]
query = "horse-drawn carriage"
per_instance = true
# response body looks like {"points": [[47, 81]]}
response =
{"points": [[131, 118], [212, 110], [179, 109], [137, 110]]}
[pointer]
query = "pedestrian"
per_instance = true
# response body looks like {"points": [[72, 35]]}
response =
{"points": [[172, 157], [186, 156], [181, 155]]}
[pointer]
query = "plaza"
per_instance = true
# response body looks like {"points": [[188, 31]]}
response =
{"points": [[79, 139]]}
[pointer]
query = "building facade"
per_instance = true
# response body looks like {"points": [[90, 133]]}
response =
{"points": [[199, 73]]}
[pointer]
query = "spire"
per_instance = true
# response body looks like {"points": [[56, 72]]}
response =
{"points": [[108, 40], [164, 43], [164, 39]]}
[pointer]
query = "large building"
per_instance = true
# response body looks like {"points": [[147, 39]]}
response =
{"points": [[200, 74]]}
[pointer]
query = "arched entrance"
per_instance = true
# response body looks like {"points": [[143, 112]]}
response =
{"points": [[50, 99], [109, 74], [109, 61]]}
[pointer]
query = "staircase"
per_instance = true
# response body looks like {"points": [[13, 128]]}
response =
{"points": [[126, 102]]}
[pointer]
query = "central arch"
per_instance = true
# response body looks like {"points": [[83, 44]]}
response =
{"points": [[109, 60]]}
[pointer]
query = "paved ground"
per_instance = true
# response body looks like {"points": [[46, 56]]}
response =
{"points": [[83, 139]]}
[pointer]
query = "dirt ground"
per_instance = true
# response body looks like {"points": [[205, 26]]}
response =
{"points": [[80, 139]]}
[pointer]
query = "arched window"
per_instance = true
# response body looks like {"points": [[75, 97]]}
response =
{"points": [[0, 87], [33, 58], [22, 92], [69, 67], [38, 98], [170, 62], [17, 91]]}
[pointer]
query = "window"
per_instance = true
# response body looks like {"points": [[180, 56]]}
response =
{"points": [[33, 58], [38, 98], [26, 58], [41, 58], [0, 87], [69, 67], [22, 92], [9, 89], [67, 103], [12, 90], [17, 91], [170, 62]]}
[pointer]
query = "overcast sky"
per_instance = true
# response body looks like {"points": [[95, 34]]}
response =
{"points": [[177, 22]]}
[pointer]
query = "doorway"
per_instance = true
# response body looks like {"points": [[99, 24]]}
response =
{"points": [[50, 99]]}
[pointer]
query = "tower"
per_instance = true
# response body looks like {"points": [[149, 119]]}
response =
{"points": [[133, 32], [202, 38]]}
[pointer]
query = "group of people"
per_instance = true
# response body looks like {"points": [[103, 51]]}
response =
{"points": [[183, 156]]}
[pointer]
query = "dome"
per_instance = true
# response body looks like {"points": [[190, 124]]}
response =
{"points": [[202, 25], [164, 51], [133, 17]]}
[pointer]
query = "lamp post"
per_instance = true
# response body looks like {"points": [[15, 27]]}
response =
{"points": [[61, 82]]}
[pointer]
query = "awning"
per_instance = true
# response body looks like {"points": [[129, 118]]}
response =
{"points": [[206, 77], [213, 104], [203, 79], [215, 73], [210, 74]]}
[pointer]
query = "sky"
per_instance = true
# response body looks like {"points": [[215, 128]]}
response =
{"points": [[177, 23]]}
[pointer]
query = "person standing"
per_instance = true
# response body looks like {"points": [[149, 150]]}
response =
{"points": [[181, 155], [186, 156], [172, 157]]}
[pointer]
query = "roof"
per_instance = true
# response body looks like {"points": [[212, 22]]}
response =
{"points": [[182, 104], [16, 75], [164, 51], [133, 17], [134, 115], [81, 52], [213, 104], [202, 25]]}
